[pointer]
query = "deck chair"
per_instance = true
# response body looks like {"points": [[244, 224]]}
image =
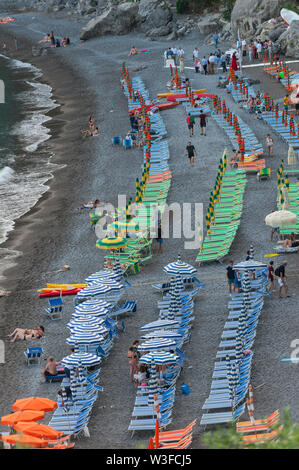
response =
{"points": [[55, 310], [178, 435], [127, 143], [33, 355], [116, 140], [129, 306], [259, 424], [262, 437]]}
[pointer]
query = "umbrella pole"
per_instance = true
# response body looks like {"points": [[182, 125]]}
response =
{"points": [[157, 434]]}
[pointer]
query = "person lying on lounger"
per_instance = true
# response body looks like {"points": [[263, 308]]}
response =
{"points": [[26, 334], [47, 38], [133, 51], [291, 242], [92, 204]]}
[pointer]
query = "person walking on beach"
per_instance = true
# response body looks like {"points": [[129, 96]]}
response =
{"points": [[223, 62], [204, 63], [286, 103], [234, 62], [190, 124], [182, 67], [190, 152], [132, 363], [230, 276], [196, 65], [195, 53], [269, 144], [271, 276], [203, 123], [216, 38], [282, 279]]}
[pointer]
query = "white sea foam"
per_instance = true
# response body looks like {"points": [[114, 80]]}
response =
{"points": [[6, 174], [20, 189]]}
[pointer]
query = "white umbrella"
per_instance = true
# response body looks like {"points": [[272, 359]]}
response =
{"points": [[281, 218], [179, 267], [160, 358], [249, 265], [162, 334]]}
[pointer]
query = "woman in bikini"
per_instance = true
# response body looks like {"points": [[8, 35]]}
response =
{"points": [[26, 334]]}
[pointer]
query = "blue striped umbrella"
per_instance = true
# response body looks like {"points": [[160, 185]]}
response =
{"points": [[64, 399], [163, 334], [179, 267], [239, 349], [229, 378], [153, 383], [242, 328], [83, 309], [246, 285], [85, 328], [173, 308], [73, 383], [117, 270], [251, 252], [160, 358], [102, 275], [86, 360], [156, 344], [179, 283], [96, 301], [81, 371], [100, 289], [112, 283], [85, 339], [89, 319], [158, 324], [250, 265], [234, 378]]}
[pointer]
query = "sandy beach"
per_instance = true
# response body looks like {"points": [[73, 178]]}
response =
{"points": [[85, 80]]}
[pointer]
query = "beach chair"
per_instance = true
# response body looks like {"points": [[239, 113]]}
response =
{"points": [[270, 436], [129, 306], [149, 424], [116, 140], [33, 355], [264, 174], [55, 378], [209, 419], [127, 143], [55, 310], [178, 435], [259, 424]]}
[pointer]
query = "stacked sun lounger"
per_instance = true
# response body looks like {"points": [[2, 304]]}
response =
{"points": [[168, 333], [92, 332], [231, 375], [237, 92], [228, 212], [282, 128], [159, 179], [250, 140]]}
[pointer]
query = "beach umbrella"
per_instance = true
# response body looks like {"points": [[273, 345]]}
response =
{"points": [[34, 403], [85, 319], [291, 156], [160, 358], [24, 440], [239, 349], [162, 334], [229, 378], [157, 344], [250, 405], [251, 252], [117, 271], [179, 284], [129, 227], [281, 218], [37, 430], [153, 383], [112, 283], [179, 267], [96, 302], [242, 328], [27, 415], [73, 382], [86, 360], [85, 338], [92, 290], [102, 275], [250, 265], [246, 286], [112, 243], [91, 309], [86, 329], [158, 324]]}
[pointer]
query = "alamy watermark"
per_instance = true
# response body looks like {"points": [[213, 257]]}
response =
{"points": [[181, 221], [295, 353]]}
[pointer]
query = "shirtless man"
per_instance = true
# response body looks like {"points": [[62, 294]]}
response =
{"points": [[133, 51], [50, 368]]}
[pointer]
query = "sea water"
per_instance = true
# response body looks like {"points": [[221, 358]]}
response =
{"points": [[25, 166]]}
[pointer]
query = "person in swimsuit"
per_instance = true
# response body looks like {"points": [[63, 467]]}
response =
{"points": [[271, 276], [132, 363], [26, 334]]}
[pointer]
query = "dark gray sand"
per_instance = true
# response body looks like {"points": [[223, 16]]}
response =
{"points": [[85, 81]]}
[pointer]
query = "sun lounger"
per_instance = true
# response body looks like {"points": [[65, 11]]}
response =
{"points": [[224, 417]]}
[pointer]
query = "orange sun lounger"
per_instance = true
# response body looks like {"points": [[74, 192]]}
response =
{"points": [[260, 437], [260, 424], [252, 166], [178, 435], [182, 444]]}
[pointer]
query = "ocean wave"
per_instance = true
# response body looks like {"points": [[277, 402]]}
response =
{"points": [[6, 174]]}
